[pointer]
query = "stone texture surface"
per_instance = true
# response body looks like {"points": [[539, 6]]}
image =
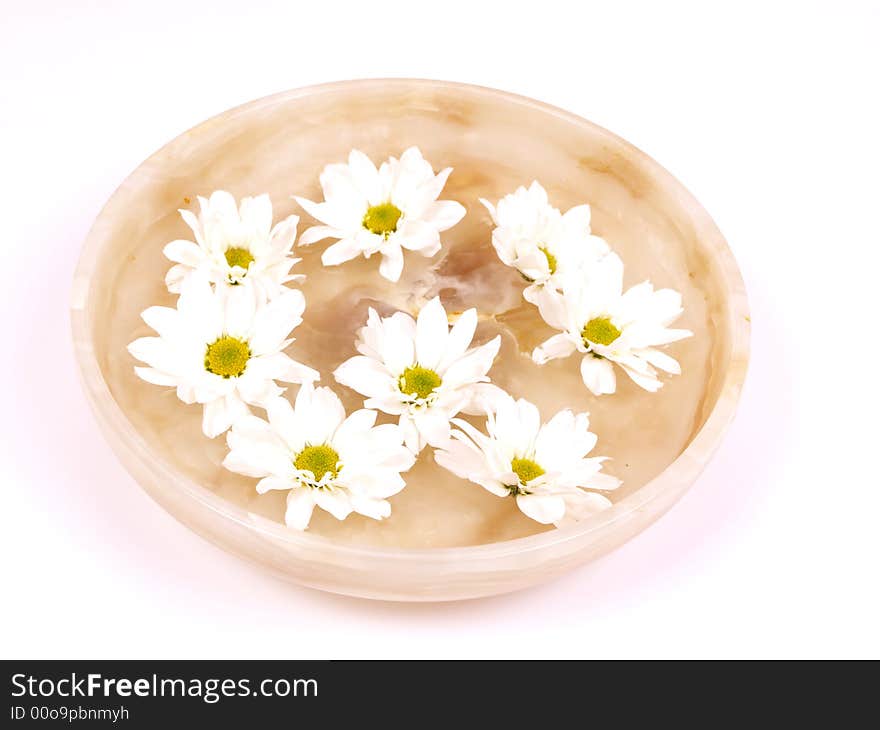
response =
{"points": [[495, 142]]}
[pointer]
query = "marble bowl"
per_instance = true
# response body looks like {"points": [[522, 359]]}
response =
{"points": [[446, 539]]}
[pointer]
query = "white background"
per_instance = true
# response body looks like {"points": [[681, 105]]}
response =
{"points": [[767, 112]]}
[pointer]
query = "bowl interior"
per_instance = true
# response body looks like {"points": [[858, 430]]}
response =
{"points": [[494, 142]]}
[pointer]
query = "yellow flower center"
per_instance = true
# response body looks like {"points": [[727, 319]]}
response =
{"points": [[382, 219], [319, 460], [551, 259], [600, 330], [227, 356], [239, 256], [419, 381], [526, 469]]}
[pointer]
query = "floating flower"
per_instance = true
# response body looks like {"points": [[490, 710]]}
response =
{"points": [[320, 457], [420, 370], [540, 242], [235, 243], [545, 467], [609, 326], [381, 211], [222, 349]]}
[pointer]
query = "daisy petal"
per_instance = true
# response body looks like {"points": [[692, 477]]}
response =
{"points": [[411, 435], [256, 450], [580, 507], [255, 389], [165, 320], [322, 410], [463, 459], [598, 375], [364, 375], [283, 235], [432, 331], [336, 503], [300, 505], [286, 422], [564, 441], [156, 352], [558, 346], [391, 404], [256, 215], [354, 432], [661, 360], [156, 377], [671, 335], [649, 382], [270, 483], [274, 321], [444, 214], [288, 370], [491, 208], [343, 250], [199, 305], [417, 236], [553, 309], [175, 277], [195, 225], [482, 398], [577, 219], [545, 509], [340, 190], [433, 425], [398, 348], [184, 252], [473, 366], [459, 339], [365, 176], [240, 306], [318, 233], [377, 509], [391, 265], [217, 417]]}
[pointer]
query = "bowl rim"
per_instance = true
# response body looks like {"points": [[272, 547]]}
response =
{"points": [[683, 470]]}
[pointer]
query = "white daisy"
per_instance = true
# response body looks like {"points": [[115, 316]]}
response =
{"points": [[320, 457], [609, 326], [234, 243], [540, 242], [220, 349], [544, 466], [381, 211], [421, 370]]}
